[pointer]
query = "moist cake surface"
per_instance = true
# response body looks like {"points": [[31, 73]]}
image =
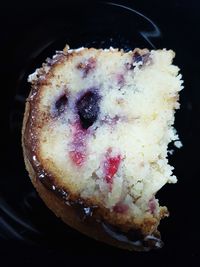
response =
{"points": [[96, 130]]}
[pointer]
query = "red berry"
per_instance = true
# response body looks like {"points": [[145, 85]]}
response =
{"points": [[77, 157], [78, 144], [120, 79], [152, 205], [120, 208], [111, 166]]}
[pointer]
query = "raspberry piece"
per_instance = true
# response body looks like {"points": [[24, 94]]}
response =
{"points": [[77, 157], [152, 205], [120, 79], [121, 208], [78, 145], [111, 166]]}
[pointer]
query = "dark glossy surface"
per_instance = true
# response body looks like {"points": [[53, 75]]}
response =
{"points": [[29, 232]]}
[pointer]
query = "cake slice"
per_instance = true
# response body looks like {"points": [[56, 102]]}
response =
{"points": [[95, 136]]}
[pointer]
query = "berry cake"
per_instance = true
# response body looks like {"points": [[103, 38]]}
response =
{"points": [[95, 135]]}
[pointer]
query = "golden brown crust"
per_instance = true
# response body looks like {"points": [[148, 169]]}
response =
{"points": [[69, 207]]}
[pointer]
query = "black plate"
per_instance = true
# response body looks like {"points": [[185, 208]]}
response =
{"points": [[28, 230]]}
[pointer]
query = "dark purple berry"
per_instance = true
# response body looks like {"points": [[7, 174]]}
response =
{"points": [[88, 108], [60, 105], [146, 58], [137, 57], [141, 58]]}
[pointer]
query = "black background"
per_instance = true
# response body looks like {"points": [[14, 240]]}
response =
{"points": [[31, 31]]}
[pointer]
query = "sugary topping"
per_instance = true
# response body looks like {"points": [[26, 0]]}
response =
{"points": [[121, 208]]}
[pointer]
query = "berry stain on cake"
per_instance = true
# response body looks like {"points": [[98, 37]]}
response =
{"points": [[97, 125]]}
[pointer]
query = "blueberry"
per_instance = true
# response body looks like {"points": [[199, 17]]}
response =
{"points": [[141, 58], [88, 108], [60, 105], [137, 57]]}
